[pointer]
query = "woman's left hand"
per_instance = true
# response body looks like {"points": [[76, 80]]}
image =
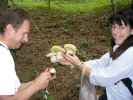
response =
{"points": [[72, 59]]}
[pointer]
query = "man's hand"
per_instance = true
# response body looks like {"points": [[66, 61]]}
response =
{"points": [[43, 79]]}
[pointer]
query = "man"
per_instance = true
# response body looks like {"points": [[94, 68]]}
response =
{"points": [[14, 31]]}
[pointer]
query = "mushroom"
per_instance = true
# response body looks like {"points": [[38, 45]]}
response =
{"points": [[55, 53], [70, 49], [53, 72], [56, 49]]}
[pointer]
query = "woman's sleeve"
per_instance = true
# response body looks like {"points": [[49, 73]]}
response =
{"points": [[120, 68], [102, 62]]}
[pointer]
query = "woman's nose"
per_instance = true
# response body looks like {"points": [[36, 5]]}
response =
{"points": [[115, 31]]}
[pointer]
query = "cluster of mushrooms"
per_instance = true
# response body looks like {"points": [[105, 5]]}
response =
{"points": [[56, 54]]}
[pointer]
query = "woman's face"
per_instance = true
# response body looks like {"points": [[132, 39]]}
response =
{"points": [[120, 33]]}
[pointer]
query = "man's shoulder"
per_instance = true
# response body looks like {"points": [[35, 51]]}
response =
{"points": [[4, 51], [3, 48]]}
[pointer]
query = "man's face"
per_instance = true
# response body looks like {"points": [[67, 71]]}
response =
{"points": [[20, 35]]}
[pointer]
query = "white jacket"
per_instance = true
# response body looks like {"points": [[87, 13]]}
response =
{"points": [[106, 72]]}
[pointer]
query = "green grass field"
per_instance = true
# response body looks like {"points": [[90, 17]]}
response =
{"points": [[84, 6]]}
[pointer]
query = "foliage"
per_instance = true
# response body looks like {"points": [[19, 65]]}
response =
{"points": [[69, 5]]}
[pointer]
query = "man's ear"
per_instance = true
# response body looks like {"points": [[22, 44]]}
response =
{"points": [[9, 29]]}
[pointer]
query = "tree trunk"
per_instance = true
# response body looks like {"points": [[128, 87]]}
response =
{"points": [[132, 4], [113, 6], [49, 4], [131, 1], [3, 4]]}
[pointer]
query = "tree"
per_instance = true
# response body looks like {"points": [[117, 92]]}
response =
{"points": [[12, 2], [113, 6], [131, 3], [49, 4]]}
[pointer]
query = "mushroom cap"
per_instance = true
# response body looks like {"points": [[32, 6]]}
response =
{"points": [[70, 47], [56, 49], [52, 71]]}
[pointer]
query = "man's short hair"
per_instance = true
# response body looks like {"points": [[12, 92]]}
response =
{"points": [[14, 17]]}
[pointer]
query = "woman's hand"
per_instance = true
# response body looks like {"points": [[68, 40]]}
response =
{"points": [[64, 61], [69, 60]]}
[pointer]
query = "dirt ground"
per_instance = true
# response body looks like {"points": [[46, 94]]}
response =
{"points": [[87, 31]]}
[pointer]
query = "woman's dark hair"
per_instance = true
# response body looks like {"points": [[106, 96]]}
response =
{"points": [[14, 17], [126, 17]]}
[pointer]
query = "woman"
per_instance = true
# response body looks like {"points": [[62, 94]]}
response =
{"points": [[115, 65]]}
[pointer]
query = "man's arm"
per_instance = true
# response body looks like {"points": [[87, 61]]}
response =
{"points": [[28, 89], [24, 93]]}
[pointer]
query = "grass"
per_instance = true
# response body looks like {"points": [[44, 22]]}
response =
{"points": [[83, 6]]}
